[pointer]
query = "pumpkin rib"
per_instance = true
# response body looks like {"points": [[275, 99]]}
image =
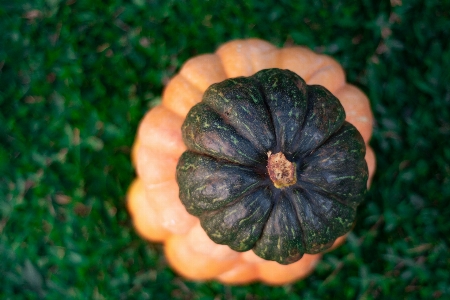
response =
{"points": [[205, 132], [263, 55], [165, 200], [341, 157], [282, 232], [317, 189], [328, 128], [155, 167], [357, 109], [234, 63], [300, 221], [316, 212], [217, 174], [218, 99], [275, 274], [333, 229], [245, 242], [180, 95], [251, 257], [241, 273], [145, 218], [330, 75], [203, 70], [276, 112], [299, 60], [161, 121], [197, 236], [188, 261], [248, 190], [244, 57], [190, 264]]}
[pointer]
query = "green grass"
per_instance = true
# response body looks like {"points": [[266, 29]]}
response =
{"points": [[76, 77]]}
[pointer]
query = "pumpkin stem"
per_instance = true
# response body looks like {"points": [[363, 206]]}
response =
{"points": [[281, 171]]}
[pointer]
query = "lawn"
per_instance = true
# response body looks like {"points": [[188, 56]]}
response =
{"points": [[77, 76]]}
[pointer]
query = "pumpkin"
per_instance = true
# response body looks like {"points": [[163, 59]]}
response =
{"points": [[272, 166], [263, 175]]}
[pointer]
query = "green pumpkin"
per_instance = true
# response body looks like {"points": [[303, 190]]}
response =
{"points": [[272, 166]]}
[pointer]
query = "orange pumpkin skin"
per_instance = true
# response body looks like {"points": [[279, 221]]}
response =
{"points": [[153, 202]]}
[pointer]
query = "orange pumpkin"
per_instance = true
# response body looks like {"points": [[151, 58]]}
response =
{"points": [[153, 201]]}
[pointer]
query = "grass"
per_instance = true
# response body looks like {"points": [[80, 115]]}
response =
{"points": [[76, 77]]}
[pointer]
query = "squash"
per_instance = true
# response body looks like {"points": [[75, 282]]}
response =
{"points": [[272, 166], [263, 165]]}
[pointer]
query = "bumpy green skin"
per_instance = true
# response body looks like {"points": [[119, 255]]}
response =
{"points": [[223, 176]]}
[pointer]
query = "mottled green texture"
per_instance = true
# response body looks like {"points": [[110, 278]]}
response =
{"points": [[210, 184], [335, 218], [325, 116], [282, 237], [223, 175], [337, 166], [205, 131], [286, 99], [235, 226], [246, 111]]}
